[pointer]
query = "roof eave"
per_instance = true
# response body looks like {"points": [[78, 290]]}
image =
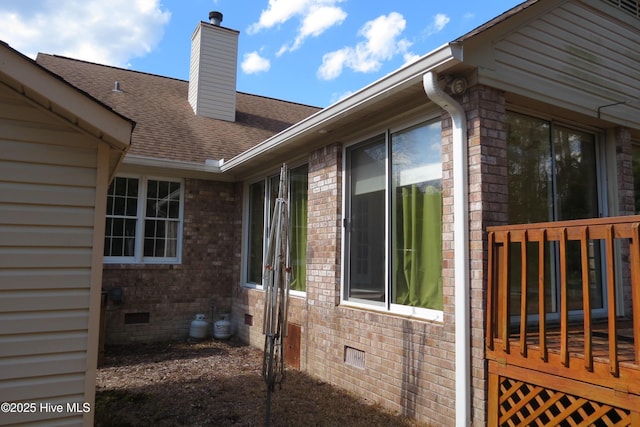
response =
{"points": [[437, 60], [54, 94], [173, 168]]}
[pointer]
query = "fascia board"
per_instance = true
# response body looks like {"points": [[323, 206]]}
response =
{"points": [[173, 168], [38, 84]]}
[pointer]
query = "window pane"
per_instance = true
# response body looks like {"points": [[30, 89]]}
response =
{"points": [[173, 210], [110, 205], [274, 185], [256, 232], [416, 179], [162, 219], [160, 239], [150, 249], [298, 219], [577, 197], [132, 187], [152, 208], [552, 177], [131, 206], [529, 169], [121, 217], [152, 189], [575, 166], [119, 203], [367, 221], [163, 189]]}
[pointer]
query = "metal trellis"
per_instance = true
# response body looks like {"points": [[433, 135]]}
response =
{"points": [[276, 280]]}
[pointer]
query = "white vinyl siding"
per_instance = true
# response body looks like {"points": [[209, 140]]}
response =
{"points": [[48, 178], [575, 57], [212, 75]]}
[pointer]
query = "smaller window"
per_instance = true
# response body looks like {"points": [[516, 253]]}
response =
{"points": [[144, 221], [256, 232], [122, 218], [261, 201]]}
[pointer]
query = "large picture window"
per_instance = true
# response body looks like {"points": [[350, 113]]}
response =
{"points": [[261, 201], [393, 233], [144, 221]]}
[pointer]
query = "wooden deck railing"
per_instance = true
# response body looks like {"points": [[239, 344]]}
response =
{"points": [[515, 335]]}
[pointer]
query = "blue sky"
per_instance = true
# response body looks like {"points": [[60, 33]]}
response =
{"points": [[308, 51]]}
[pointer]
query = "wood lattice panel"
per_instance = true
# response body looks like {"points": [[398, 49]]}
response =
{"points": [[524, 404]]}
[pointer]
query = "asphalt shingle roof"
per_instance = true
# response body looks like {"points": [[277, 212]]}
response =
{"points": [[167, 127]]}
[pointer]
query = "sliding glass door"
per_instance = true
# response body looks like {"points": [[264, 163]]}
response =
{"points": [[552, 173]]}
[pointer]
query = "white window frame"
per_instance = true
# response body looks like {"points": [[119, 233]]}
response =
{"points": [[138, 257], [386, 306]]}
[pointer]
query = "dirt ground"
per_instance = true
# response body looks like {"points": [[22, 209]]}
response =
{"points": [[218, 383]]}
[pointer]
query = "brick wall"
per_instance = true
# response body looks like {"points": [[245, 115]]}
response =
{"points": [[405, 365], [485, 109], [626, 200], [408, 365], [173, 294]]}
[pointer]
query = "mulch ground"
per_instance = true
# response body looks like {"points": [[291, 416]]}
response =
{"points": [[218, 383]]}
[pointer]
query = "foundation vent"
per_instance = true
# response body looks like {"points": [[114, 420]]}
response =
{"points": [[136, 318], [354, 357]]}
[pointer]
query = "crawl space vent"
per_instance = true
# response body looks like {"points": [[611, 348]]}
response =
{"points": [[136, 318], [354, 357]]}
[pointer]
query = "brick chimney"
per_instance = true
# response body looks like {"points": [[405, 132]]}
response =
{"points": [[212, 75]]}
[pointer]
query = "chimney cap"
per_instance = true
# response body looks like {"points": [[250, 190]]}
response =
{"points": [[215, 18]]}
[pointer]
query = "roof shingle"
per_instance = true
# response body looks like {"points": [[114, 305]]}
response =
{"points": [[167, 127]]}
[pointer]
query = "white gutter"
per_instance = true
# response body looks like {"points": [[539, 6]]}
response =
{"points": [[209, 166], [461, 246], [210, 169], [369, 95]]}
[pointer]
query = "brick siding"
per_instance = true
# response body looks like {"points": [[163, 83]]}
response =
{"points": [[626, 200], [485, 108], [174, 294]]}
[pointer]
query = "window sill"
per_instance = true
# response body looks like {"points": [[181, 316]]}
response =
{"points": [[256, 287], [410, 313], [129, 261]]}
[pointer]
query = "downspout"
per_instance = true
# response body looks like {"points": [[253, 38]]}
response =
{"points": [[461, 247]]}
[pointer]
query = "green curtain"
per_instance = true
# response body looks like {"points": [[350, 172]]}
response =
{"points": [[418, 270], [298, 219]]}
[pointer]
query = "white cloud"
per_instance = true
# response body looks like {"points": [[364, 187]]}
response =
{"points": [[278, 12], [93, 30], [439, 22], [410, 57], [381, 44], [316, 22], [335, 97], [253, 63], [315, 17], [333, 62]]}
